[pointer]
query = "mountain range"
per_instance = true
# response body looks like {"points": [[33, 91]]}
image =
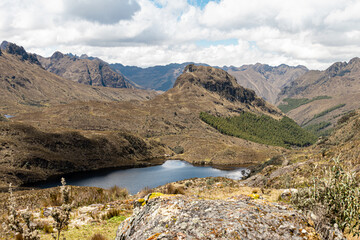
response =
{"points": [[319, 98], [267, 81]]}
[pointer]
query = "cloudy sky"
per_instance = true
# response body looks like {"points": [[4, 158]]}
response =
{"points": [[314, 33]]}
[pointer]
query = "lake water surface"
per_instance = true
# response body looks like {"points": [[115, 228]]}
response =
{"points": [[135, 179]]}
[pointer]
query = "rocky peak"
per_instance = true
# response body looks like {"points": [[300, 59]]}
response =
{"points": [[216, 80], [84, 56], [14, 49], [3, 45], [355, 60], [57, 55], [335, 69]]}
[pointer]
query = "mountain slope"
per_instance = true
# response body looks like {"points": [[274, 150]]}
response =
{"points": [[264, 79], [90, 71], [26, 85], [326, 94]]}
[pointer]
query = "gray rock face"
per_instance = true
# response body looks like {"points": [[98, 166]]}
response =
{"points": [[185, 217]]}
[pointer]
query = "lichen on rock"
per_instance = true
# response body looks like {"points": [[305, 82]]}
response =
{"points": [[242, 217]]}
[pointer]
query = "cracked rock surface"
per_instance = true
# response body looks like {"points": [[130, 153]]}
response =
{"points": [[241, 217]]}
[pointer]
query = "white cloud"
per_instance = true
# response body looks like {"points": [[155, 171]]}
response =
{"points": [[150, 32]]}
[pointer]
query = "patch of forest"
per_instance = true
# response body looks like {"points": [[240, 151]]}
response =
{"points": [[261, 129]]}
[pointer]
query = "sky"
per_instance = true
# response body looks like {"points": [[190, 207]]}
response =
{"points": [[314, 33]]}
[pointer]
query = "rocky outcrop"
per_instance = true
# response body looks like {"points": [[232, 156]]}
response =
{"points": [[219, 81], [240, 217], [19, 51]]}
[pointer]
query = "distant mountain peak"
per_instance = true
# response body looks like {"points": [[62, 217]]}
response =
{"points": [[57, 55], [4, 45], [14, 49], [335, 69], [84, 69]]}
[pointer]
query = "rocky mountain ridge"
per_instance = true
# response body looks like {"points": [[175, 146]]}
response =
{"points": [[85, 70], [264, 79], [19, 51]]}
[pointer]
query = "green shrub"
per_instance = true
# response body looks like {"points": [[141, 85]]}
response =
{"points": [[323, 113], [114, 212], [48, 228], [117, 192], [178, 150], [336, 197], [171, 189], [318, 129], [210, 181], [261, 129], [346, 117]]}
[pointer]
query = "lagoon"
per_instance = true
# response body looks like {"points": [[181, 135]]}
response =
{"points": [[135, 179]]}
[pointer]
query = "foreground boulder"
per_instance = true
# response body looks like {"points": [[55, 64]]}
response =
{"points": [[241, 217]]}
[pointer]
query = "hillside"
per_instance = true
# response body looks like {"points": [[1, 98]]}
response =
{"points": [[297, 168], [323, 96], [29, 154], [89, 71], [26, 85], [267, 81]]}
